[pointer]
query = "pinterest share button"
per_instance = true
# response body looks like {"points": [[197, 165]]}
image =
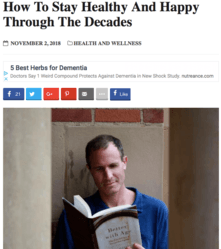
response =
{"points": [[68, 93], [51, 93]]}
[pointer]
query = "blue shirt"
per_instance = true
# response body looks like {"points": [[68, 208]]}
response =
{"points": [[152, 214]]}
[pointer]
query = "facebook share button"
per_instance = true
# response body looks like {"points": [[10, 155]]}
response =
{"points": [[13, 93], [120, 94]]}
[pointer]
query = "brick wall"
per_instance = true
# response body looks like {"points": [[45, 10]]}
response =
{"points": [[142, 116]]}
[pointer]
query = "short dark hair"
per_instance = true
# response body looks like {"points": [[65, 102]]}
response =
{"points": [[102, 142]]}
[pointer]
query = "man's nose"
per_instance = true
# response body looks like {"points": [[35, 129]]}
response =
{"points": [[108, 174]]}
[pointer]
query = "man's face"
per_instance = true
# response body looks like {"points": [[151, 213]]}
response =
{"points": [[107, 169]]}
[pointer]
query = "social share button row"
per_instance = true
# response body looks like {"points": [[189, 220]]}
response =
{"points": [[66, 94]]}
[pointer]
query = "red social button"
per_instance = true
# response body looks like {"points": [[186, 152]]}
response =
{"points": [[51, 93], [68, 93]]}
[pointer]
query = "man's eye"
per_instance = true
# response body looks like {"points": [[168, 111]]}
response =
{"points": [[114, 165], [98, 168]]}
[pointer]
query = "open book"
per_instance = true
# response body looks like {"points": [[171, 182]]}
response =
{"points": [[113, 228]]}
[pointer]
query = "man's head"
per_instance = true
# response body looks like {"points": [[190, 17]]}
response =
{"points": [[107, 164], [102, 142]]}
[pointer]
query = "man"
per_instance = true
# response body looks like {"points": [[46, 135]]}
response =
{"points": [[107, 164]]}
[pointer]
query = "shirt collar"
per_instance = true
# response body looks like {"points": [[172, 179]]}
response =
{"points": [[138, 200]]}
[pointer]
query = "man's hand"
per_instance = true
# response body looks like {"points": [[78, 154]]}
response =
{"points": [[135, 246]]}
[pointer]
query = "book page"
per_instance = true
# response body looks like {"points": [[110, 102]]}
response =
{"points": [[110, 210], [82, 206]]}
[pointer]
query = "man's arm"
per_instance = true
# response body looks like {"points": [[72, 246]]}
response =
{"points": [[63, 238], [162, 228]]}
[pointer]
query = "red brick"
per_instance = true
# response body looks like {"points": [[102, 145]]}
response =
{"points": [[71, 115], [117, 115], [153, 115]]}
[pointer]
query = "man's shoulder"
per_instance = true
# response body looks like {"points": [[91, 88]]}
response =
{"points": [[154, 202], [149, 203]]}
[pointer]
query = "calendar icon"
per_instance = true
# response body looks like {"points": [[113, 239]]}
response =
{"points": [[5, 43]]}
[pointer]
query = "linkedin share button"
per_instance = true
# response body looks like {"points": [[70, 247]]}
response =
{"points": [[120, 94]]}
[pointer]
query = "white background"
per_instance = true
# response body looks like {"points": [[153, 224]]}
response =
{"points": [[165, 37]]}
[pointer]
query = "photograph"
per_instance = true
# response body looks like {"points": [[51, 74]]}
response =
{"points": [[162, 162]]}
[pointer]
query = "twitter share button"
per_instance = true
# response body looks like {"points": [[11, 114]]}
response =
{"points": [[33, 94]]}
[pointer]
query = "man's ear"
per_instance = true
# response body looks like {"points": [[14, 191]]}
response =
{"points": [[87, 166], [125, 159]]}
